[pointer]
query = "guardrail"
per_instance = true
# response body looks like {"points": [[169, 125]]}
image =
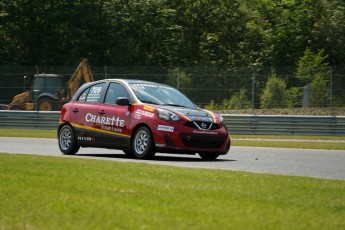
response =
{"points": [[285, 125], [237, 123], [29, 119]]}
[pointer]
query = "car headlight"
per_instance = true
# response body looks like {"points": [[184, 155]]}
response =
{"points": [[221, 119], [167, 115]]}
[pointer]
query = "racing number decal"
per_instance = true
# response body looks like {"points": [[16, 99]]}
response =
{"points": [[96, 90]]}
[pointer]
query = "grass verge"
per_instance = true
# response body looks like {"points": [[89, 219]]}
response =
{"points": [[303, 142], [306, 142], [38, 192], [34, 133], [290, 144]]}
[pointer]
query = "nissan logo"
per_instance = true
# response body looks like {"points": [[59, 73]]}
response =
{"points": [[203, 125]]}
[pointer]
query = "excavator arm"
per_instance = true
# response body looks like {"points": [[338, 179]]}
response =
{"points": [[73, 84]]}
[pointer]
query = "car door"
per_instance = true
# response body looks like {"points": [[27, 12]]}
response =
{"points": [[115, 118], [84, 114]]}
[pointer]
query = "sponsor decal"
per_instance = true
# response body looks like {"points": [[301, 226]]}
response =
{"points": [[111, 128], [86, 139], [113, 121], [205, 132], [160, 145], [149, 108], [204, 119], [94, 94], [146, 85], [139, 113], [137, 116], [84, 127], [165, 128]]}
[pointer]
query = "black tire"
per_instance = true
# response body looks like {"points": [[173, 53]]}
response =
{"points": [[143, 144], [4, 107], [67, 142], [129, 153], [15, 107], [46, 104], [209, 156]]}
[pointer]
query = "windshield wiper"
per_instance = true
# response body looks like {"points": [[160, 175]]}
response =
{"points": [[149, 102], [175, 105]]}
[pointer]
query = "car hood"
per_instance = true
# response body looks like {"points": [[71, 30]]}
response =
{"points": [[194, 114]]}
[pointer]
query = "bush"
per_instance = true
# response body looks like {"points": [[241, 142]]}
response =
{"points": [[239, 101], [275, 94]]}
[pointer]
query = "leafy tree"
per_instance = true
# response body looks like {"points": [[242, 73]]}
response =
{"points": [[313, 68], [319, 92], [239, 100], [296, 97], [275, 94], [329, 30], [212, 106], [311, 65], [231, 33], [41, 32]]}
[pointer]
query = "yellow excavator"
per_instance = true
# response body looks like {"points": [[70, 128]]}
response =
{"points": [[73, 84], [47, 92]]}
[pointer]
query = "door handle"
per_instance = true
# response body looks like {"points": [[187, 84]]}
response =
{"points": [[76, 110], [101, 112]]}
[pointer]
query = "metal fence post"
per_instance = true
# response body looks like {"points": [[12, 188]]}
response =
{"points": [[253, 91], [331, 92], [178, 78], [106, 72]]}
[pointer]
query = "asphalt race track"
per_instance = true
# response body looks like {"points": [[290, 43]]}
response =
{"points": [[298, 162]]}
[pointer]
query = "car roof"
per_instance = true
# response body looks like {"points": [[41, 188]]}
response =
{"points": [[129, 81], [135, 81], [124, 81], [47, 75]]}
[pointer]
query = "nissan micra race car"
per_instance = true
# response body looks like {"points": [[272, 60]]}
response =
{"points": [[140, 118]]}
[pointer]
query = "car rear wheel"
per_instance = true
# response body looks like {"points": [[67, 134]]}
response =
{"points": [[209, 156], [143, 144], [67, 142]]}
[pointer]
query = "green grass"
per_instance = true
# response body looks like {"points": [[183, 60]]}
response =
{"points": [[37, 133], [304, 142], [38, 192], [237, 140], [290, 144], [279, 137]]}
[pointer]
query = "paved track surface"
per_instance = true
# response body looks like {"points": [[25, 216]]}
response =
{"points": [[283, 161]]}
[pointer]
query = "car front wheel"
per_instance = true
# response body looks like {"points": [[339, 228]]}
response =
{"points": [[143, 144], [67, 142], [209, 156]]}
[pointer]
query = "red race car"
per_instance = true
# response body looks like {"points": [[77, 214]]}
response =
{"points": [[140, 118]]}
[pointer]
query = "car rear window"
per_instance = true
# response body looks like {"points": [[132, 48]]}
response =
{"points": [[92, 94]]}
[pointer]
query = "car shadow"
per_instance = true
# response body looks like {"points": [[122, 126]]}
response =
{"points": [[165, 158]]}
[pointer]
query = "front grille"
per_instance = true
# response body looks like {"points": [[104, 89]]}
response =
{"points": [[202, 141], [191, 124]]}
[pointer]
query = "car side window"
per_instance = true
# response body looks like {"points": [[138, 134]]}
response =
{"points": [[82, 96], [115, 91], [92, 94]]}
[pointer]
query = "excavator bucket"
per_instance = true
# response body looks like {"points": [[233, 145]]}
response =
{"points": [[73, 84]]}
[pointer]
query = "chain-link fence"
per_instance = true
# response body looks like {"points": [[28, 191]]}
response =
{"points": [[215, 88]]}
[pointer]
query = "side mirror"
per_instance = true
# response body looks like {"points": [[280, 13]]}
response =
{"points": [[122, 101]]}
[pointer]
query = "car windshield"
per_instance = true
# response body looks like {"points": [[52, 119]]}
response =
{"points": [[160, 95]]}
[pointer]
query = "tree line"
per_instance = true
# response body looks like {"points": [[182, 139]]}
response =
{"points": [[220, 33], [170, 33]]}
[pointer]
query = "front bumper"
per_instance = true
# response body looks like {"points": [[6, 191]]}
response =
{"points": [[191, 142]]}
